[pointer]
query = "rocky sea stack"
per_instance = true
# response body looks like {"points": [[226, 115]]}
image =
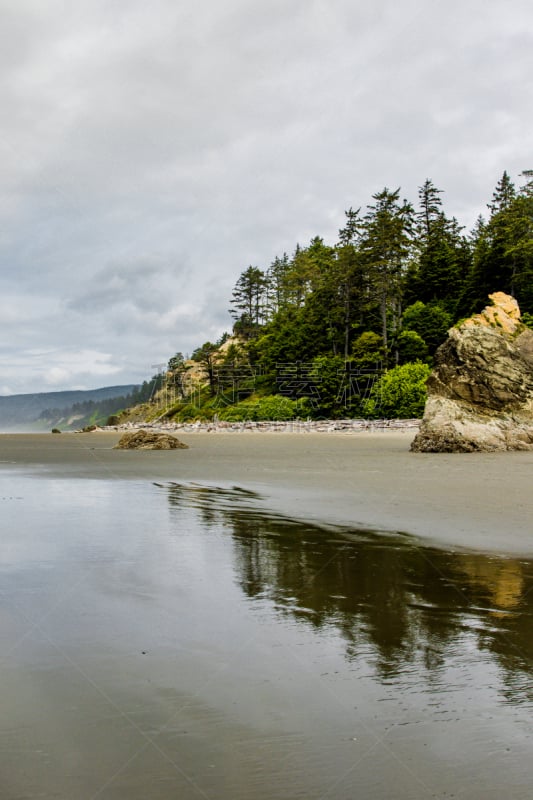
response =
{"points": [[148, 440], [480, 394]]}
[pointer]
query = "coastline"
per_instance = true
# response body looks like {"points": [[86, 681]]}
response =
{"points": [[479, 501], [268, 426]]}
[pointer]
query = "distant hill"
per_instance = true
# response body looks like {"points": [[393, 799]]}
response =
{"points": [[24, 410]]}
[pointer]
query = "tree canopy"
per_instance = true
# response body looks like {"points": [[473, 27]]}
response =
{"points": [[331, 316]]}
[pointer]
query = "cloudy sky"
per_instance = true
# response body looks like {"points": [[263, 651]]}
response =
{"points": [[150, 152]]}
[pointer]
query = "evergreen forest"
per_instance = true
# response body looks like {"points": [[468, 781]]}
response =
{"points": [[350, 328]]}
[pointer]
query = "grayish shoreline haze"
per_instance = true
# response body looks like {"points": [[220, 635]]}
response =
{"points": [[150, 153]]}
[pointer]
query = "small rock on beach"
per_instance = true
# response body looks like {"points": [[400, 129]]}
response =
{"points": [[148, 440]]}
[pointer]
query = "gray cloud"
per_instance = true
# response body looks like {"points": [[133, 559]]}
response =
{"points": [[149, 153]]}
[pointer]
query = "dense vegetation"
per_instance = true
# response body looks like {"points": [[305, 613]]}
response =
{"points": [[350, 328]]}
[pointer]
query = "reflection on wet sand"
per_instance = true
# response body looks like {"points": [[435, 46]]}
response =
{"points": [[409, 603], [176, 641]]}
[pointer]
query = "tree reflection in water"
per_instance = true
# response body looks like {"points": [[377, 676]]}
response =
{"points": [[390, 596]]}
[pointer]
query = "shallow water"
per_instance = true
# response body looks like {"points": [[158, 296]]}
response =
{"points": [[178, 641]]}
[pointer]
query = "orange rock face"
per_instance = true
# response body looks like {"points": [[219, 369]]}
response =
{"points": [[504, 313], [480, 394]]}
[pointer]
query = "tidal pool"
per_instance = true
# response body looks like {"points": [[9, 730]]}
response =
{"points": [[179, 641]]}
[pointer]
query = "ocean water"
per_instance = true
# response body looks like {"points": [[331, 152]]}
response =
{"points": [[179, 641]]}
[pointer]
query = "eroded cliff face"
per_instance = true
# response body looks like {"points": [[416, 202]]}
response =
{"points": [[480, 394]]}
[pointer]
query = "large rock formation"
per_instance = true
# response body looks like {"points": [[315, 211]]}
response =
{"points": [[480, 394], [149, 440]]}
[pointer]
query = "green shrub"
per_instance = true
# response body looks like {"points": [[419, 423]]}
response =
{"points": [[272, 407], [430, 321], [276, 407], [411, 347], [368, 350], [527, 319], [400, 393], [241, 412], [187, 413]]}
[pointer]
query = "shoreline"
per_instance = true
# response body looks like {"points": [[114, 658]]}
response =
{"points": [[267, 426], [473, 501]]}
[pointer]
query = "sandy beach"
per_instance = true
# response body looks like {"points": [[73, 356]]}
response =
{"points": [[474, 501], [162, 639]]}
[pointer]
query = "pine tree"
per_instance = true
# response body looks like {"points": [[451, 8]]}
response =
{"points": [[503, 252], [307, 268], [249, 302], [276, 285], [386, 245], [442, 254], [518, 222], [503, 195], [352, 228], [430, 209], [206, 355], [348, 284]]}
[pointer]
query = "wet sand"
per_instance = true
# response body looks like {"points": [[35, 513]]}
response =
{"points": [[182, 640], [473, 501]]}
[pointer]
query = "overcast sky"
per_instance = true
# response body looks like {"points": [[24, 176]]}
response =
{"points": [[150, 152]]}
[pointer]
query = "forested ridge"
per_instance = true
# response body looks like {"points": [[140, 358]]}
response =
{"points": [[20, 410], [97, 412], [351, 328]]}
